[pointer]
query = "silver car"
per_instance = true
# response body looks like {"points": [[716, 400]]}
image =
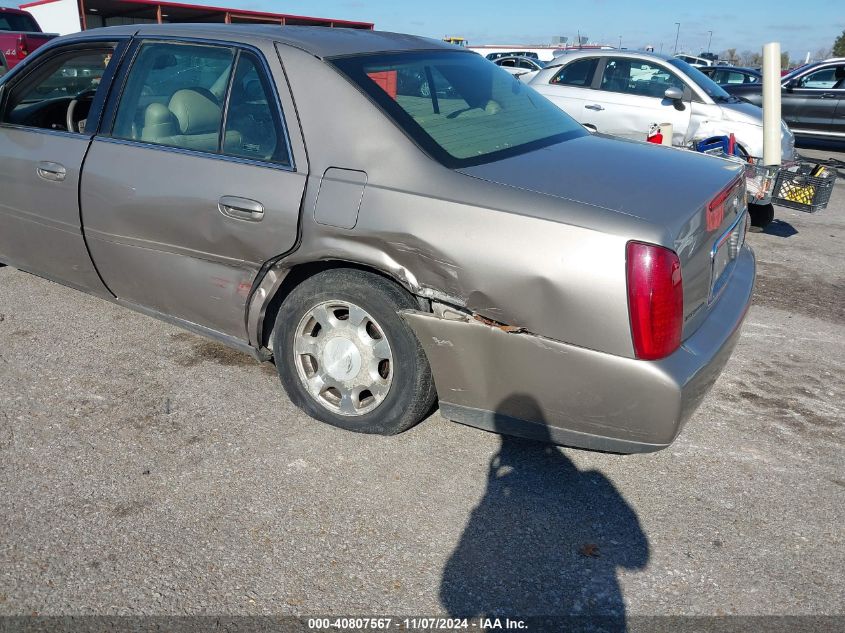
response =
{"points": [[294, 193], [624, 92]]}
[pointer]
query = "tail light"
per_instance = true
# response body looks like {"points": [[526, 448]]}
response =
{"points": [[23, 47], [655, 300]]}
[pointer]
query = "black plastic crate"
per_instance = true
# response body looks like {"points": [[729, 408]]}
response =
{"points": [[802, 191]]}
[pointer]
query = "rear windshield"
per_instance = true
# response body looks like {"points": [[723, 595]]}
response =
{"points": [[459, 107], [17, 22]]}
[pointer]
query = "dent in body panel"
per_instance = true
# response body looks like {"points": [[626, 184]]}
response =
{"points": [[524, 271], [476, 366]]}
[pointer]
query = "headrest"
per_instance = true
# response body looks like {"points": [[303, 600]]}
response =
{"points": [[198, 113], [157, 114]]}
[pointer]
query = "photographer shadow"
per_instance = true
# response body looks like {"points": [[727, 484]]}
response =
{"points": [[546, 539]]}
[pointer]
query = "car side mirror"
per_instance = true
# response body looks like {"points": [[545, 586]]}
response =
{"points": [[674, 94]]}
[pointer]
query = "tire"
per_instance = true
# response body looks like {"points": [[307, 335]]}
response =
{"points": [[323, 375], [761, 215]]}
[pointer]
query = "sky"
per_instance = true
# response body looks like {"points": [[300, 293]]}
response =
{"points": [[741, 24]]}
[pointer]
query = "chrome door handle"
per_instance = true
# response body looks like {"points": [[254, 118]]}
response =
{"points": [[241, 208], [828, 95], [594, 106], [51, 171]]}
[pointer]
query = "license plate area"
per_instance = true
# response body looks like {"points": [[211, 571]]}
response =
{"points": [[723, 255]]}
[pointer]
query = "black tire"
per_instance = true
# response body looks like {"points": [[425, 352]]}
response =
{"points": [[761, 215], [411, 394]]}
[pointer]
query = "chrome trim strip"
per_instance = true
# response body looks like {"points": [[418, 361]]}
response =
{"points": [[821, 133], [41, 130], [715, 291], [194, 152]]}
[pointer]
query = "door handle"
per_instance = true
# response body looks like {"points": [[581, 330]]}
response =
{"points": [[241, 208], [594, 106], [828, 95], [51, 171]]}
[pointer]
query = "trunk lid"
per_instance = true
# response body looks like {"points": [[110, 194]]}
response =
{"points": [[670, 188]]}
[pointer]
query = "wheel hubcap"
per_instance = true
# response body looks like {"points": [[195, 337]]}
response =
{"points": [[343, 358]]}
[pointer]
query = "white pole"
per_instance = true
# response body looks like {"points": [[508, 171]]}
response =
{"points": [[771, 104]]}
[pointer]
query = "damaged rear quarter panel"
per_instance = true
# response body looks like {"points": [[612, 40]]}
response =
{"points": [[554, 267]]}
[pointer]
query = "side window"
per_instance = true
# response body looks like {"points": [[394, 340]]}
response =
{"points": [[524, 63], [637, 77], [175, 96], [508, 63], [41, 98], [578, 73], [253, 125], [823, 79]]}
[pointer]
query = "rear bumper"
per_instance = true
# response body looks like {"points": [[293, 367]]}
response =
{"points": [[526, 385]]}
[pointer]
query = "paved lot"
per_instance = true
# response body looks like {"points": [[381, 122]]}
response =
{"points": [[145, 470]]}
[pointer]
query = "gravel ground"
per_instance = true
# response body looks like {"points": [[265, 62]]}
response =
{"points": [[148, 471]]}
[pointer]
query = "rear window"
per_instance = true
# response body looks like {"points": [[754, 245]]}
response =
{"points": [[460, 108], [18, 22]]}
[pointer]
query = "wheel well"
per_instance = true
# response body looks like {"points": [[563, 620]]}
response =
{"points": [[302, 272]]}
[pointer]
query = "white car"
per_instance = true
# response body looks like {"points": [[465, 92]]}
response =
{"points": [[519, 65], [624, 93]]}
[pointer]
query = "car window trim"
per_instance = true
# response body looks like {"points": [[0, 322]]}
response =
{"points": [[116, 96], [97, 105]]}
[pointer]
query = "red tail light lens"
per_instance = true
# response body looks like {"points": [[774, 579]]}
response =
{"points": [[655, 300], [23, 49]]}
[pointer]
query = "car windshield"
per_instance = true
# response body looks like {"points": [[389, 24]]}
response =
{"points": [[710, 87], [17, 22], [459, 107]]}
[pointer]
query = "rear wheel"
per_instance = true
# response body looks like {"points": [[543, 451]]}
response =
{"points": [[761, 215], [347, 358]]}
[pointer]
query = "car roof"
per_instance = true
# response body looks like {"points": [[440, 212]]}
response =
{"points": [[319, 41], [569, 55], [13, 10]]}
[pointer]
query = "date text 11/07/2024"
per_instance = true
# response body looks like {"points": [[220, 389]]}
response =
{"points": [[413, 624]]}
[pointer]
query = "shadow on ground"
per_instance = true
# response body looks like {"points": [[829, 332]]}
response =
{"points": [[547, 539], [779, 228]]}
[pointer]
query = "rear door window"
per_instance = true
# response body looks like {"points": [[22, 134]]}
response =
{"points": [[254, 129], [175, 95], [638, 77]]}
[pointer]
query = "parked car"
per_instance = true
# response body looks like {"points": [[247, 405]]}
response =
{"points": [[732, 75], [693, 60], [812, 99], [518, 65], [20, 35], [469, 241], [624, 93], [494, 56]]}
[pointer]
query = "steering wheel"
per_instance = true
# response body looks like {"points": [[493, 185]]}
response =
{"points": [[70, 117]]}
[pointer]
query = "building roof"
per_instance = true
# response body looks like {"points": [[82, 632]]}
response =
{"points": [[318, 41], [184, 12]]}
